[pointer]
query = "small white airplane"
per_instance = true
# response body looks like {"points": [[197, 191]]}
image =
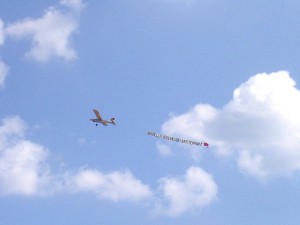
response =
{"points": [[100, 120]]}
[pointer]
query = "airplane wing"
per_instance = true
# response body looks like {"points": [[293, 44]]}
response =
{"points": [[97, 114]]}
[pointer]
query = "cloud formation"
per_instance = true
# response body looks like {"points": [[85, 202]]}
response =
{"points": [[24, 170], [76, 5], [196, 190], [3, 66], [3, 72], [260, 126], [50, 35], [1, 32], [163, 149], [115, 186]]}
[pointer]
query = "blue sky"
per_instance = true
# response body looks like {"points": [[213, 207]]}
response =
{"points": [[224, 72]]}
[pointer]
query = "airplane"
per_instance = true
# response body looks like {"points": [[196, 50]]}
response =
{"points": [[100, 120]]}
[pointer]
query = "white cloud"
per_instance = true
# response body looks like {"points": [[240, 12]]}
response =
{"points": [[3, 72], [261, 124], [73, 4], [24, 170], [115, 186], [3, 67], [163, 149], [196, 190], [1, 32], [12, 128], [50, 34]]}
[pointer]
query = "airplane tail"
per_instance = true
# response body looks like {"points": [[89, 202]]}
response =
{"points": [[113, 121]]}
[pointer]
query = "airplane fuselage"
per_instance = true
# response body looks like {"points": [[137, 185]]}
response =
{"points": [[103, 122]]}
